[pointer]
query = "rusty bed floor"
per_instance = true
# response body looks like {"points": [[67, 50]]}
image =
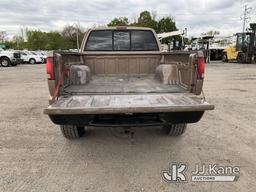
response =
{"points": [[124, 84]]}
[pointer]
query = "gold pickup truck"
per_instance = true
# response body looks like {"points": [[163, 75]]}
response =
{"points": [[120, 77]]}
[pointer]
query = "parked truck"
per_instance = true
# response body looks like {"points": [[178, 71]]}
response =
{"points": [[121, 77], [9, 58], [31, 57]]}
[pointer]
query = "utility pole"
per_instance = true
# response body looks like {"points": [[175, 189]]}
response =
{"points": [[77, 36], [245, 18]]}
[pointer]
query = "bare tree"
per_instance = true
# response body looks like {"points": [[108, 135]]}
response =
{"points": [[70, 33], [2, 36]]}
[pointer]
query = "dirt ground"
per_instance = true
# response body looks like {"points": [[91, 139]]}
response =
{"points": [[34, 156]]}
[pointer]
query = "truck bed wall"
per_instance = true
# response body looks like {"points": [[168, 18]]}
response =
{"points": [[128, 64], [123, 64]]}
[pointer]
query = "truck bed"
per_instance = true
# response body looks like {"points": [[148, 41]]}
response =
{"points": [[124, 84], [121, 94]]}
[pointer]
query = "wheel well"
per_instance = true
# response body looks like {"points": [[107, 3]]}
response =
{"points": [[4, 57]]}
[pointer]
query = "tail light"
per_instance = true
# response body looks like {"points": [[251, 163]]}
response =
{"points": [[201, 67], [49, 68]]}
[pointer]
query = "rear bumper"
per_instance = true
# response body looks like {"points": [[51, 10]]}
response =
{"points": [[16, 61], [83, 109], [148, 119]]}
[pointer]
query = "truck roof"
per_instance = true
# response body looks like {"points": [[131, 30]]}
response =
{"points": [[123, 27]]}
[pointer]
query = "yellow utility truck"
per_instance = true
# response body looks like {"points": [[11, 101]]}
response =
{"points": [[245, 49]]}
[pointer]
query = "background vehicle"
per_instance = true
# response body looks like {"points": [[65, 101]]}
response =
{"points": [[9, 58], [43, 55], [121, 78], [211, 45], [31, 57], [202, 43], [174, 44], [245, 49]]}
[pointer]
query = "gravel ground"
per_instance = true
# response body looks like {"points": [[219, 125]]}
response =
{"points": [[34, 156]]}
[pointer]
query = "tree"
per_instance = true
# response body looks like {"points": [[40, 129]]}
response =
{"points": [[55, 41], [118, 21], [166, 24], [70, 35], [36, 40], [2, 36], [146, 20], [18, 42], [211, 33]]}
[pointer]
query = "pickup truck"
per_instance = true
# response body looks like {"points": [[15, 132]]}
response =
{"points": [[9, 58], [31, 57], [121, 78]]}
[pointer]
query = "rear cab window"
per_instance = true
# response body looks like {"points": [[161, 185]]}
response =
{"points": [[99, 41], [121, 40]]}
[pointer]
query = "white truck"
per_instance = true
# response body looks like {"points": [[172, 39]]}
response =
{"points": [[9, 58], [31, 57]]}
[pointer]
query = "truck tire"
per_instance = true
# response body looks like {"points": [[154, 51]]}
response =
{"points": [[5, 62], [224, 58], [241, 58], [32, 61], [174, 129], [72, 131]]}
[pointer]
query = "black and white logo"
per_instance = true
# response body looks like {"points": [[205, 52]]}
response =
{"points": [[176, 173], [201, 173]]}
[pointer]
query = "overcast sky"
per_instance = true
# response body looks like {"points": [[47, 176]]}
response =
{"points": [[197, 16]]}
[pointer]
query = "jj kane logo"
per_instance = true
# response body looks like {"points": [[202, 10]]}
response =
{"points": [[201, 173], [176, 173]]}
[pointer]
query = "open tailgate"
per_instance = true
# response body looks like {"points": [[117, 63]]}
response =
{"points": [[120, 104]]}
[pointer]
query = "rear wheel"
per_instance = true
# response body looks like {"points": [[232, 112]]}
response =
{"points": [[174, 129], [241, 58], [72, 131], [224, 58], [5, 62], [32, 61]]}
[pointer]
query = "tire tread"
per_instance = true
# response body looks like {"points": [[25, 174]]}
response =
{"points": [[70, 131], [175, 129]]}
